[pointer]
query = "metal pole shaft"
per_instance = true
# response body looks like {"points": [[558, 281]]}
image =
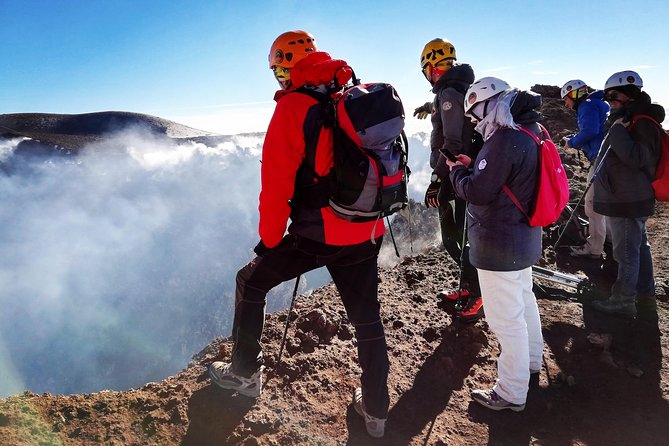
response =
{"points": [[290, 310]]}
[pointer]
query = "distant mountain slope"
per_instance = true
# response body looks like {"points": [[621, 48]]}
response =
{"points": [[75, 131], [94, 123]]}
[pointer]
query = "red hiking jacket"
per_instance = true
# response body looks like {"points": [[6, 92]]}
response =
{"points": [[297, 123]]}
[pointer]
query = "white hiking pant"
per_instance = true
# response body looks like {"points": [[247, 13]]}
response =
{"points": [[597, 222], [513, 316]]}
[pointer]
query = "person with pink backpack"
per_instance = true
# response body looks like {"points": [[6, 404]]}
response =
{"points": [[503, 243]]}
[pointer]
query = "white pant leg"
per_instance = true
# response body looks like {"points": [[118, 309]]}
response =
{"points": [[504, 302], [533, 321], [596, 222]]}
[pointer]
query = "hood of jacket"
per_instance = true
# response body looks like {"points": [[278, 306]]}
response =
{"points": [[316, 69], [525, 108], [460, 77], [642, 105]]}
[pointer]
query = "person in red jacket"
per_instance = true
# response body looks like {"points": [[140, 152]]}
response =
{"points": [[296, 146]]}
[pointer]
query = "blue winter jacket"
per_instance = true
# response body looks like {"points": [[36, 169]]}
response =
{"points": [[591, 114]]}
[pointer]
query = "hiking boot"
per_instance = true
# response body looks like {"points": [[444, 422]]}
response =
{"points": [[376, 427], [222, 375], [452, 296], [473, 310], [491, 400], [624, 307], [583, 251]]}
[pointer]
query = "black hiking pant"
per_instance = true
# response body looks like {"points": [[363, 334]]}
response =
{"points": [[452, 224], [354, 272]]}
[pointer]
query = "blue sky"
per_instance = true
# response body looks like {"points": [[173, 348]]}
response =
{"points": [[204, 63]]}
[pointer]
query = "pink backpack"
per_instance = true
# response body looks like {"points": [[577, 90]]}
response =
{"points": [[552, 192]]}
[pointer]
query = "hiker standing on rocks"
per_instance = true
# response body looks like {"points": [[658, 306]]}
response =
{"points": [[316, 236], [452, 134], [503, 245], [591, 112], [623, 191]]}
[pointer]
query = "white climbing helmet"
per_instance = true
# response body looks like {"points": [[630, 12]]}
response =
{"points": [[623, 78], [483, 89], [573, 85]]}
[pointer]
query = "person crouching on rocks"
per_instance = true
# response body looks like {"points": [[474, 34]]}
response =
{"points": [[503, 245]]}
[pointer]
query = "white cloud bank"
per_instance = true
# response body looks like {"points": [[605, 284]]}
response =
{"points": [[119, 264]]}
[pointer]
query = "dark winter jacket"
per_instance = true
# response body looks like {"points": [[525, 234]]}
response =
{"points": [[591, 113], [295, 129], [450, 129], [499, 234], [629, 156]]}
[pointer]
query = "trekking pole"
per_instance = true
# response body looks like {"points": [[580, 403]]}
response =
{"points": [[587, 188], [285, 330], [458, 302], [392, 236], [410, 229]]}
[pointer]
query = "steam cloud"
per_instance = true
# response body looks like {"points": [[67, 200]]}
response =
{"points": [[119, 264]]}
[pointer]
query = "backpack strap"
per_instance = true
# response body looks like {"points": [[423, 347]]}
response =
{"points": [[636, 118], [538, 142], [311, 189]]}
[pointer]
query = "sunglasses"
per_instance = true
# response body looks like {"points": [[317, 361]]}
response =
{"points": [[439, 67], [572, 94], [613, 96]]}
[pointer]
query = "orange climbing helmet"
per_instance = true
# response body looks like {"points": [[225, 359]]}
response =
{"points": [[291, 47]]}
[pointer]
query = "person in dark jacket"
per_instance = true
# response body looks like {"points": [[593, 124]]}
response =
{"points": [[623, 191], [591, 112], [503, 245], [452, 134], [316, 236]]}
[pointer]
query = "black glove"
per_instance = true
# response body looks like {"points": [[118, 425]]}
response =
{"points": [[423, 111], [261, 249], [432, 194]]}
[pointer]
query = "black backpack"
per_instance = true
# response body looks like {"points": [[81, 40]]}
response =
{"points": [[370, 173]]}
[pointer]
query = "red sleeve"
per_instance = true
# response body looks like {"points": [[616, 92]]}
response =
{"points": [[282, 155]]}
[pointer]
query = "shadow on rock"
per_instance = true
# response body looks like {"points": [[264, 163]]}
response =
{"points": [[214, 414], [442, 373]]}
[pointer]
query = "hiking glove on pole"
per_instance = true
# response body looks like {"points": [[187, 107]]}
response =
{"points": [[432, 194]]}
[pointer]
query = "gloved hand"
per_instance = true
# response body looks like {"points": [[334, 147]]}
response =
{"points": [[432, 194], [261, 249], [564, 142], [423, 111]]}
